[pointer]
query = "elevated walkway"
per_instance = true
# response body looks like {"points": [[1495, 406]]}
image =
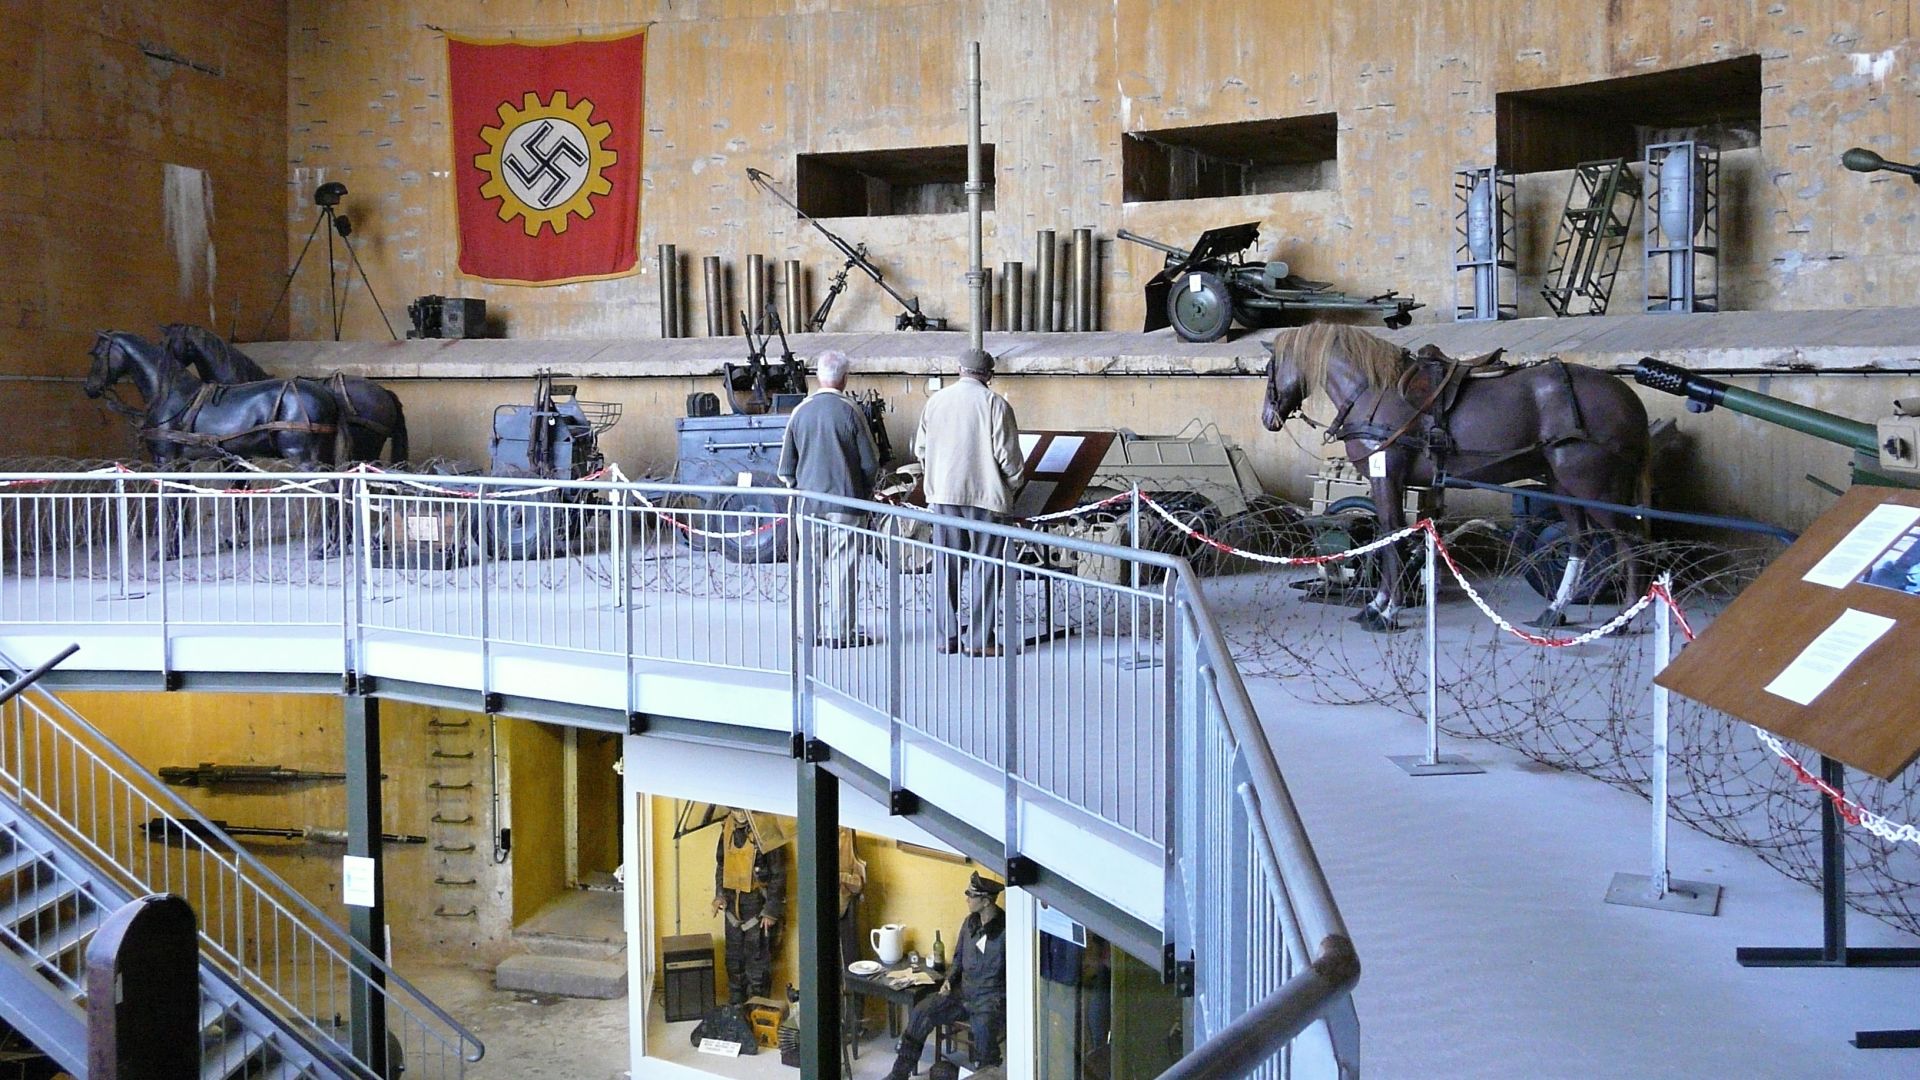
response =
{"points": [[1108, 760]]}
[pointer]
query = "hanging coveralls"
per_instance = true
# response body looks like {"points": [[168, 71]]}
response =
{"points": [[751, 884]]}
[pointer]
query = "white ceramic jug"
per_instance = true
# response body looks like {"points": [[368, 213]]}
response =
{"points": [[889, 942]]}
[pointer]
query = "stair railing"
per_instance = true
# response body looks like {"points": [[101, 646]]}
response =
{"points": [[300, 965]]}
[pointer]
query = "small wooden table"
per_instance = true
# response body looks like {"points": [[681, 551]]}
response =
{"points": [[899, 1000]]}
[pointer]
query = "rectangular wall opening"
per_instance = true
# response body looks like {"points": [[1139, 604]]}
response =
{"points": [[1252, 157], [1561, 126], [883, 183]]}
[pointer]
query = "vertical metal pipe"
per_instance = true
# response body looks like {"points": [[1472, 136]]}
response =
{"points": [[976, 275], [1013, 296], [1431, 582], [1082, 279], [1659, 878], [792, 314], [716, 307], [367, 1015], [756, 291], [986, 300], [1043, 278], [818, 853], [669, 261]]}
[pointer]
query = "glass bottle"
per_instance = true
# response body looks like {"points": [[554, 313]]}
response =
{"points": [[938, 959]]}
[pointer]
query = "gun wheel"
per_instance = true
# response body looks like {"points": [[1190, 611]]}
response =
{"points": [[1200, 307]]}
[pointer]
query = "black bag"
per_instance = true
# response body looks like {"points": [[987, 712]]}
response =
{"points": [[727, 1024], [943, 1070]]}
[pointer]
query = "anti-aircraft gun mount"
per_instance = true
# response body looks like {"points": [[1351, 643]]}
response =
{"points": [[1203, 291], [1886, 454]]}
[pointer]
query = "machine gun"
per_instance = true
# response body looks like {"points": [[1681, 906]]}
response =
{"points": [[169, 831], [1201, 292], [910, 318], [756, 387], [1884, 454], [208, 774]]}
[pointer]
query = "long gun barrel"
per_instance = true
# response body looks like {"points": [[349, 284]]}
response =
{"points": [[1178, 253], [209, 774], [1671, 379], [855, 256], [169, 831]]}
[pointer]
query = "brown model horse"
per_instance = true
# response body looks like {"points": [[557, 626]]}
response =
{"points": [[1580, 431]]}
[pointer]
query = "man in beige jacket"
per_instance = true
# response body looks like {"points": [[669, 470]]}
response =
{"points": [[969, 445]]}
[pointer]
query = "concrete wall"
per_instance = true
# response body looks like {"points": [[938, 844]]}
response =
{"points": [[97, 103], [739, 83]]}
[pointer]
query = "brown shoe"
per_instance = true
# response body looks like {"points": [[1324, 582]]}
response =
{"points": [[984, 650], [949, 646]]}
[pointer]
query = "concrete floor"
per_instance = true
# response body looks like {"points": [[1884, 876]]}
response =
{"points": [[528, 1038]]}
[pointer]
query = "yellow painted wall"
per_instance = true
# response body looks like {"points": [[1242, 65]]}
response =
{"points": [[921, 892], [538, 815], [737, 83], [424, 881], [95, 100]]}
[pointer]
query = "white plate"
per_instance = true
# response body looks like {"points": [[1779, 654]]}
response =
{"points": [[864, 967]]}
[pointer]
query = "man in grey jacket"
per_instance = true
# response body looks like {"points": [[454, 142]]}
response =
{"points": [[969, 444], [828, 448]]}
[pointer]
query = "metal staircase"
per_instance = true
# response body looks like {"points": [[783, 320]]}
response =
{"points": [[275, 974]]}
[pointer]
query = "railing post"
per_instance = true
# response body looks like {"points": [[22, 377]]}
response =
{"points": [[896, 649], [367, 922], [166, 634], [359, 563], [483, 562], [803, 597], [623, 585], [1010, 646]]}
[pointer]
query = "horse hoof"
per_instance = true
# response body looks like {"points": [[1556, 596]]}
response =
{"points": [[1375, 623]]}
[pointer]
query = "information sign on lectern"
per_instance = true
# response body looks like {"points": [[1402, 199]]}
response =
{"points": [[1824, 649]]}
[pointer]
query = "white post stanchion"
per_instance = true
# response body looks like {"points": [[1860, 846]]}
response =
{"points": [[1658, 889], [1433, 763], [1136, 659], [126, 546]]}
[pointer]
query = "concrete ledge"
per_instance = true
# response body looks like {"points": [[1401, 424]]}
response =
{"points": [[562, 976], [1787, 340]]}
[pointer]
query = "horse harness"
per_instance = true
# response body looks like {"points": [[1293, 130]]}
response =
{"points": [[1436, 382], [211, 393]]}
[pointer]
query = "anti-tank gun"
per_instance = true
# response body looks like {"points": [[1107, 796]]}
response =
{"points": [[1886, 453], [1204, 290]]}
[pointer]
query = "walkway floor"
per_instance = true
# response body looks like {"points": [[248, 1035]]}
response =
{"points": [[1488, 952]]}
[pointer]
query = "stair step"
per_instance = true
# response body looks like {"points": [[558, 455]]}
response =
{"points": [[17, 859], [32, 903], [69, 935], [563, 976], [231, 1056]]}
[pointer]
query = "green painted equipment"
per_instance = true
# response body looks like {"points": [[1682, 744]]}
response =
{"points": [[1882, 455]]}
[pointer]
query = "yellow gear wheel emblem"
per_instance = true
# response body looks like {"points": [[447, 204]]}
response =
{"points": [[545, 163]]}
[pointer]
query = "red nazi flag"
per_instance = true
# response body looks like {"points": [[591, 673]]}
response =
{"points": [[546, 157]]}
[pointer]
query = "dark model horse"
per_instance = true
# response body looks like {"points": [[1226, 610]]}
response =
{"points": [[369, 412], [1581, 431], [184, 419]]}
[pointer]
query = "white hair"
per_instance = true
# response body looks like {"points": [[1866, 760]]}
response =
{"points": [[832, 366]]}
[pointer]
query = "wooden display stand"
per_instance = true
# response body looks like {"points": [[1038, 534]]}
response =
{"points": [[1828, 663]]}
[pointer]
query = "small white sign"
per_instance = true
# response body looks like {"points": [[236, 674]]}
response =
{"points": [[718, 1048], [1856, 550], [1821, 662], [1377, 464], [356, 880], [744, 479], [1193, 283]]}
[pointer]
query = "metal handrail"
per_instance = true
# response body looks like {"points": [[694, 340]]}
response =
{"points": [[1214, 696], [247, 871]]}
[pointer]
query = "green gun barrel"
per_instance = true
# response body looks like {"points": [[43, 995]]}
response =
{"points": [[1672, 379]]}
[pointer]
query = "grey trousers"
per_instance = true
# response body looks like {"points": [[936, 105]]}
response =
{"points": [[838, 549], [974, 566]]}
